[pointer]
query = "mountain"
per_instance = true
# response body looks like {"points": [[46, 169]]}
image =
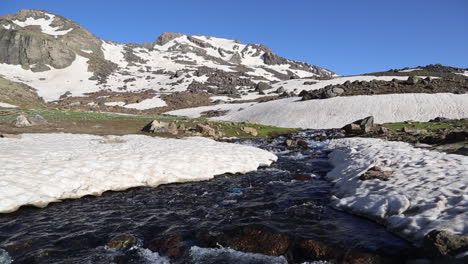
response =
{"points": [[61, 60]]}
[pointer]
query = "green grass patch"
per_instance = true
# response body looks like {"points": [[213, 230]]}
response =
{"points": [[429, 126]]}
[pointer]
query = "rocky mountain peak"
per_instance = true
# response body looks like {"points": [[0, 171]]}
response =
{"points": [[166, 37]]}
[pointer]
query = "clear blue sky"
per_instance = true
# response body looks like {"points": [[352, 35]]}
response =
{"points": [[347, 36]]}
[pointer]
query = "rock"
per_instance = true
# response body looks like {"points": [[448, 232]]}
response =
{"points": [[173, 246], [261, 86], [161, 127], [296, 143], [22, 121], [280, 90], [313, 249], [206, 130], [10, 136], [250, 130], [439, 243], [376, 173], [123, 242], [37, 119], [383, 130], [338, 91], [367, 122], [414, 131], [412, 80], [351, 128]]}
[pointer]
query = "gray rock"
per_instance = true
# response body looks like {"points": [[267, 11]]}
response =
{"points": [[261, 86], [412, 80], [250, 130], [161, 127], [38, 119]]}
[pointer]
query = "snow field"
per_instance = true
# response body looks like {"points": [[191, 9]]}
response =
{"points": [[427, 190], [43, 168]]}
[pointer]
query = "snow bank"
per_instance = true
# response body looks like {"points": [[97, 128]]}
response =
{"points": [[43, 168], [7, 105], [427, 190], [339, 111], [147, 104]]}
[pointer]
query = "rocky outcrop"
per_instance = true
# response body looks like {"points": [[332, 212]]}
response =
{"points": [[166, 37]]}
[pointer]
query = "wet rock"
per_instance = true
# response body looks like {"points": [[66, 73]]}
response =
{"points": [[22, 121], [250, 130], [296, 143], [123, 242], [356, 257], [439, 243], [313, 249], [376, 173], [172, 246], [257, 239]]}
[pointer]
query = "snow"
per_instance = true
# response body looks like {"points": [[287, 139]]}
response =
{"points": [[53, 83], [339, 111], [7, 27], [87, 51], [410, 70], [196, 111], [5, 105], [114, 103], [44, 23], [42, 168], [465, 73], [227, 255], [426, 191], [147, 104]]}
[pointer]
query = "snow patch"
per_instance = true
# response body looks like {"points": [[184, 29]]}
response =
{"points": [[426, 191], [196, 111], [44, 23], [7, 27], [87, 51], [42, 168], [410, 70], [53, 83], [339, 111], [5, 105], [147, 104], [114, 103]]}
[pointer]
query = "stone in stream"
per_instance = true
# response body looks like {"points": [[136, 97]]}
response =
{"points": [[123, 242]]}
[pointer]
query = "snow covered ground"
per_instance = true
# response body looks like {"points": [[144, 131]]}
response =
{"points": [[147, 104], [428, 189], [43, 168], [7, 105], [339, 111], [227, 255]]}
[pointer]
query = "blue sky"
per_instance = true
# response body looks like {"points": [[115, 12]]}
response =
{"points": [[347, 36]]}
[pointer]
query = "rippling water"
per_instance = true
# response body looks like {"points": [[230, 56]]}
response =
{"points": [[76, 231]]}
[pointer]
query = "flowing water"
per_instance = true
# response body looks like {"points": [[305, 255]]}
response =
{"points": [[290, 197]]}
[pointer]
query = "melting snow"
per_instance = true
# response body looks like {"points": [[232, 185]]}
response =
{"points": [[7, 27], [44, 23], [339, 111], [7, 105], [43, 168], [147, 104], [426, 191]]}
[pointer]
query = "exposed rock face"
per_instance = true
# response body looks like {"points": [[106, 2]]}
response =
{"points": [[29, 46], [166, 37]]}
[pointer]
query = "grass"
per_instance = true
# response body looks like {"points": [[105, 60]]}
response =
{"points": [[118, 124], [429, 126]]}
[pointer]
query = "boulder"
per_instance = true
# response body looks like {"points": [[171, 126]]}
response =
{"points": [[261, 86], [206, 130], [350, 128], [161, 127], [22, 121], [250, 130], [439, 243], [412, 80], [37, 120], [361, 125]]}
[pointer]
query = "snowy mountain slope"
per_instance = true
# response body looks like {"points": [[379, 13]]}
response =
{"points": [[339, 111], [57, 56]]}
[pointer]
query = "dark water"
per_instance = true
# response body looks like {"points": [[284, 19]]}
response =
{"points": [[76, 231]]}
